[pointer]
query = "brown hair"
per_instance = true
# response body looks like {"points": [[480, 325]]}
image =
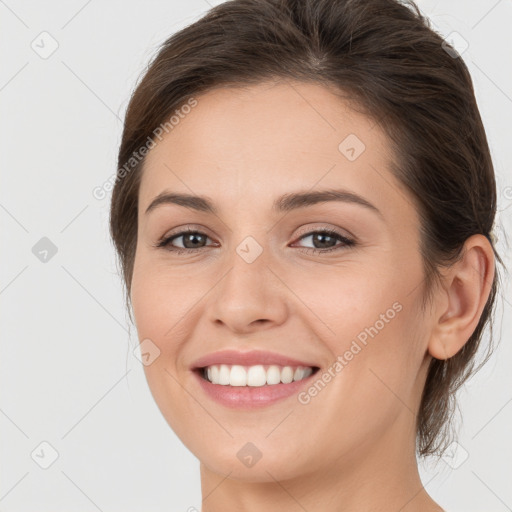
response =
{"points": [[397, 70]]}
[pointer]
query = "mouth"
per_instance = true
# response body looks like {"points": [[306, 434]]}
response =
{"points": [[245, 380], [252, 387], [254, 376]]}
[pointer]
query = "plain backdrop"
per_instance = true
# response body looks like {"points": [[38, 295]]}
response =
{"points": [[74, 397]]}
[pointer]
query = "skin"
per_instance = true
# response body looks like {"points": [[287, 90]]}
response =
{"points": [[352, 447]]}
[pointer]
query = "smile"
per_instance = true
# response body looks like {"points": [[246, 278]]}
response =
{"points": [[255, 376], [251, 379]]}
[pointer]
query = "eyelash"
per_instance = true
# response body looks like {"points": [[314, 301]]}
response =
{"points": [[165, 242]]}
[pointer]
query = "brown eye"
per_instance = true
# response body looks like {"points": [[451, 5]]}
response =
{"points": [[190, 241], [325, 241]]}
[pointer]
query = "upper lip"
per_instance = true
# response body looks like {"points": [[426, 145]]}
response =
{"points": [[250, 358]]}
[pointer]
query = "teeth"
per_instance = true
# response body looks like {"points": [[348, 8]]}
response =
{"points": [[258, 375], [287, 375], [238, 376], [224, 375], [273, 375]]}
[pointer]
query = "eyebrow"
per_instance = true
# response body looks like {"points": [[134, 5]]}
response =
{"points": [[284, 203]]}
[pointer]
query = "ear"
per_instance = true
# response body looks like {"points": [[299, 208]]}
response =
{"points": [[465, 290]]}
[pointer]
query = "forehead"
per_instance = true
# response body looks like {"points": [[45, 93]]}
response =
{"points": [[256, 143]]}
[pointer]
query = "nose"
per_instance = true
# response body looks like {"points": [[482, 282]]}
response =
{"points": [[249, 297]]}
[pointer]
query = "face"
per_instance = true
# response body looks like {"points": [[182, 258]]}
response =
{"points": [[270, 271]]}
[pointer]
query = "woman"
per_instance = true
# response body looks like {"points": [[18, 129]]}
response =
{"points": [[303, 213]]}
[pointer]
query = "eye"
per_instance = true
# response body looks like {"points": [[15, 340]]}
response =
{"points": [[326, 239], [191, 241]]}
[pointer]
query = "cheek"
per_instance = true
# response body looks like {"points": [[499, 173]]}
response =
{"points": [[160, 311], [161, 297], [352, 304], [154, 316], [371, 322]]}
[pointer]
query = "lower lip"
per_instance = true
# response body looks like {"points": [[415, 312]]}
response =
{"points": [[250, 397]]}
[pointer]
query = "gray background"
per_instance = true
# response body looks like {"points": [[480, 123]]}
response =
{"points": [[68, 374]]}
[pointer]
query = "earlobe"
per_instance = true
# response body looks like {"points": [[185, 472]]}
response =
{"points": [[443, 345], [466, 289]]}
